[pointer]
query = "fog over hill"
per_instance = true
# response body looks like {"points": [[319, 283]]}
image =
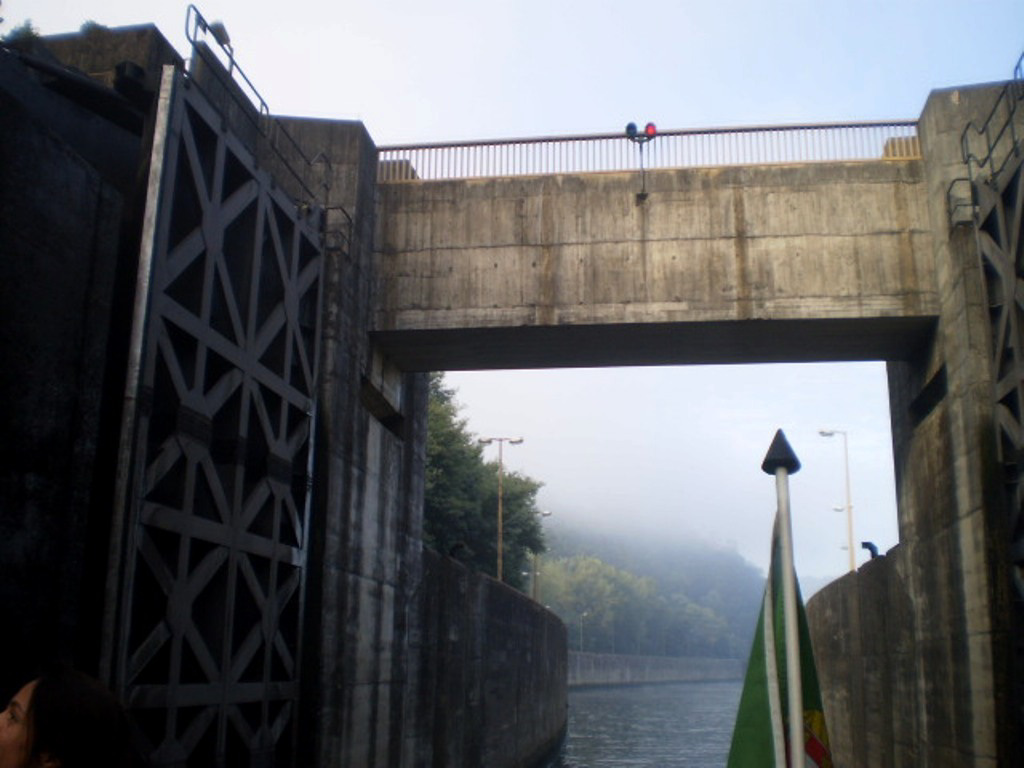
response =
{"points": [[713, 592]]}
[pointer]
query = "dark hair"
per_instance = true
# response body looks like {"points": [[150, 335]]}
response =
{"points": [[76, 720]]}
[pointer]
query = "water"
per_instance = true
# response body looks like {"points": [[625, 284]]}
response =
{"points": [[656, 726]]}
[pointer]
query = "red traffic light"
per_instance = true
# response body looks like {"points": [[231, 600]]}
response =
{"points": [[651, 130]]}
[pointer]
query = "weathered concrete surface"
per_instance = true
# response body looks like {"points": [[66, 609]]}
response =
{"points": [[855, 615], [360, 682], [914, 649], [61, 220], [809, 262], [612, 669], [99, 115], [895, 673], [99, 50], [412, 659], [493, 674]]}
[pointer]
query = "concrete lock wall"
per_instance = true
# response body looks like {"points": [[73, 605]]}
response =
{"points": [[914, 648], [55, 302], [68, 245], [413, 660], [592, 669], [366, 496], [493, 674]]}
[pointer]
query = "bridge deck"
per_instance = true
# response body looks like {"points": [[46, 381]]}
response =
{"points": [[824, 261]]}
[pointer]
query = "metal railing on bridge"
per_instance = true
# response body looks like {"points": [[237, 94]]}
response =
{"points": [[759, 145]]}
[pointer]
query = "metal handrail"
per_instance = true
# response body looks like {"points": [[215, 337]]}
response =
{"points": [[999, 134], [278, 139], [195, 23], [750, 145], [989, 145]]}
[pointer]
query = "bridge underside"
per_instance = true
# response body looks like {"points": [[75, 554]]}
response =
{"points": [[738, 341]]}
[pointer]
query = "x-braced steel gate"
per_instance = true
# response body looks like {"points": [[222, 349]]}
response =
{"points": [[205, 642]]}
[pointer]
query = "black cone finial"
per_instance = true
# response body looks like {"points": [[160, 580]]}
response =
{"points": [[780, 455]]}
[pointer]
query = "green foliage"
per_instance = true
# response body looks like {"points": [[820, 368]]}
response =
{"points": [[24, 32], [611, 602], [461, 496], [658, 599], [454, 476], [90, 26]]}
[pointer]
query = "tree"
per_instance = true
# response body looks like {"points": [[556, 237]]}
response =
{"points": [[455, 477], [461, 496], [705, 600], [523, 532], [628, 613], [615, 605], [23, 33]]}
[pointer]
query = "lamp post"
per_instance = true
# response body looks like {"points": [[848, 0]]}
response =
{"points": [[501, 522], [849, 503], [585, 613]]}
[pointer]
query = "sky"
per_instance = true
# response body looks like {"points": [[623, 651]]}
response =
{"points": [[668, 452]]}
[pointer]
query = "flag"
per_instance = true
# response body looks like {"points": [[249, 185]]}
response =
{"points": [[762, 721]]}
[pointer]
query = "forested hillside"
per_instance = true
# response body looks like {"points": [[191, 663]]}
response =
{"points": [[616, 593], [665, 598]]}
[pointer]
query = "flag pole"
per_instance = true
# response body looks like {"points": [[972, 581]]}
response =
{"points": [[782, 462]]}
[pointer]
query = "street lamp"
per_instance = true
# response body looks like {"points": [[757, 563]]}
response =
{"points": [[585, 613], [501, 522], [849, 503]]}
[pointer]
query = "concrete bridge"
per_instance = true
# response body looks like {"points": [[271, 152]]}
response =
{"points": [[218, 509], [750, 263]]}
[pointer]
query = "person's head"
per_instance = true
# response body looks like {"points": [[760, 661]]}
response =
{"points": [[63, 719]]}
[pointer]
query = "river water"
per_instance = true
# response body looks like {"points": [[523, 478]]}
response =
{"points": [[655, 726]]}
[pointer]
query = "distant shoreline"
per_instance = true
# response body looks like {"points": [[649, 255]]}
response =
{"points": [[592, 670]]}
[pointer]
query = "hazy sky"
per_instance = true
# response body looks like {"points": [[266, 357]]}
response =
{"points": [[673, 451]]}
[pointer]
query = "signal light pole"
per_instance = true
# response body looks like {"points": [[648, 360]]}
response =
{"points": [[634, 135]]}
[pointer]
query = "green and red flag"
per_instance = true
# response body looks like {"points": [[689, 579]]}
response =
{"points": [[759, 739]]}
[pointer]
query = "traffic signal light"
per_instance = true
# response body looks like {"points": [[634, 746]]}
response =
{"points": [[633, 133]]}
